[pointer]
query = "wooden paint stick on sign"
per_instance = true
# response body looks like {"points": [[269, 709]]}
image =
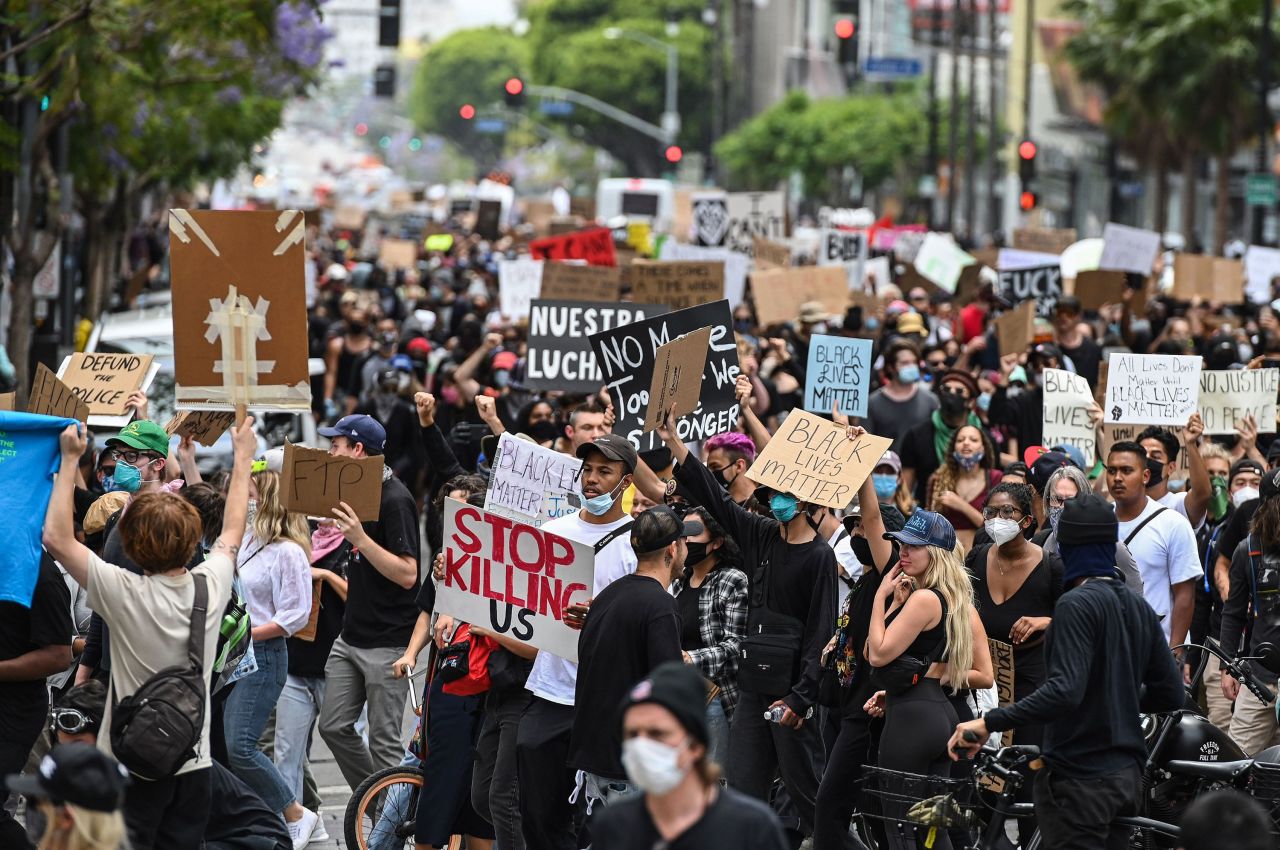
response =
{"points": [[571, 282], [678, 284], [315, 482], [1016, 328], [815, 461], [203, 426], [51, 397], [677, 377], [104, 381]]}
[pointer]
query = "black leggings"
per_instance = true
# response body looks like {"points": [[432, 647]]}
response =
{"points": [[918, 724]]}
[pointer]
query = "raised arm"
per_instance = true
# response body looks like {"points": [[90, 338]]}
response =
{"points": [[872, 522], [755, 428], [1201, 488], [237, 505]]}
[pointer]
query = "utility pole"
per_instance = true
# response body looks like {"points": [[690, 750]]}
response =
{"points": [[1264, 112], [971, 131], [953, 127], [993, 122], [931, 155]]}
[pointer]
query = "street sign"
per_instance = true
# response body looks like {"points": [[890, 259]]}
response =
{"points": [[556, 107], [1260, 190], [893, 67], [490, 125]]}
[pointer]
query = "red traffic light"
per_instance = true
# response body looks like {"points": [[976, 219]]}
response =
{"points": [[362, 129], [1027, 201], [1027, 149], [467, 112], [514, 86], [845, 28], [674, 154]]}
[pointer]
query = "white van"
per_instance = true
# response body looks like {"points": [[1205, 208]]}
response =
{"points": [[638, 199]]}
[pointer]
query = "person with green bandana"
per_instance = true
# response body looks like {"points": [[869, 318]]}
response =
{"points": [[924, 446]]}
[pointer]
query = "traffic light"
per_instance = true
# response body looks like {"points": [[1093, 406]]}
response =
{"points": [[513, 92], [388, 23], [466, 112], [384, 81], [844, 24], [362, 129], [1027, 151], [1027, 200], [673, 154]]}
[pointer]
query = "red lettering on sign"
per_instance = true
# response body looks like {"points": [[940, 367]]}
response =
{"points": [[594, 245], [470, 543], [453, 563]]}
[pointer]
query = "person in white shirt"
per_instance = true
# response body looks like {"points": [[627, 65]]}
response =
{"points": [[834, 532], [549, 820], [1162, 448], [1159, 538]]}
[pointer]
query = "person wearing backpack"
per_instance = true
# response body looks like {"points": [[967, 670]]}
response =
{"points": [[164, 626]]}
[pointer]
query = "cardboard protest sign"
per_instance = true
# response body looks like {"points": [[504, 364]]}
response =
{"points": [[489, 219], [531, 484], [398, 253], [1041, 284], [1211, 278], [846, 248], [627, 355], [313, 482], [677, 377], [815, 461], [1228, 395], [203, 426], [778, 293], [770, 255], [595, 245], [1228, 281], [875, 274], [576, 282], [1261, 266], [239, 309], [678, 284], [1152, 389], [51, 397], [1128, 249], [104, 381], [8, 401], [348, 218], [513, 579], [839, 371], [1016, 328], [560, 354], [519, 282], [1067, 398], [752, 214], [941, 260], [1049, 240], [710, 219], [1095, 288], [1003, 666], [735, 265], [1112, 434]]}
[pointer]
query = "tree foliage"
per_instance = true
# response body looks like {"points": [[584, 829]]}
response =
{"points": [[468, 66]]}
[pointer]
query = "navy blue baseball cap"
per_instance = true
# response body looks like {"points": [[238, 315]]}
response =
{"points": [[925, 528], [358, 428]]}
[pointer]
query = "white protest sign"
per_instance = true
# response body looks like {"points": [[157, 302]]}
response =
{"points": [[1067, 398], [941, 260], [1260, 266], [762, 214], [877, 270], [513, 579], [531, 484], [1128, 249], [1152, 389], [1012, 259], [846, 248], [1228, 395], [735, 265], [519, 282]]}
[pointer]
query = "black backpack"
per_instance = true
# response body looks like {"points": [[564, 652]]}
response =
{"points": [[156, 730]]}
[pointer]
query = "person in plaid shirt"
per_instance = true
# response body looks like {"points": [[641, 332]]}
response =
{"points": [[712, 598]]}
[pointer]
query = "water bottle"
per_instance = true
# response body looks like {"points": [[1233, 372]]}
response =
{"points": [[774, 715]]}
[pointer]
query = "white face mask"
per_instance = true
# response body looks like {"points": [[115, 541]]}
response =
{"points": [[1243, 495], [1002, 530], [652, 765]]}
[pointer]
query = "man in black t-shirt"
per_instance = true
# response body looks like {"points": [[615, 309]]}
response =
{"points": [[1077, 345], [35, 643], [633, 626], [382, 584]]}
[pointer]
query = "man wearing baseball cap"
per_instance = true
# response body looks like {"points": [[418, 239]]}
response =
{"points": [[664, 753], [634, 626], [382, 579], [77, 790]]}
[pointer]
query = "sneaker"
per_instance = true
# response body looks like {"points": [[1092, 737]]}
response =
{"points": [[321, 834], [303, 829]]}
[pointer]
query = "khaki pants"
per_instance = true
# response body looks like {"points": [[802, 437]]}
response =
{"points": [[1253, 725], [1219, 706]]}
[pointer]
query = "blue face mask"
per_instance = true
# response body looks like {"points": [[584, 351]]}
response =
{"points": [[871, 323], [968, 462], [599, 505], [984, 401], [886, 486], [783, 506], [127, 478], [909, 374]]}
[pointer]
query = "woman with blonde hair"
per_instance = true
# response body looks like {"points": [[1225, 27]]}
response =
{"points": [[275, 569], [921, 626], [959, 488], [74, 799]]}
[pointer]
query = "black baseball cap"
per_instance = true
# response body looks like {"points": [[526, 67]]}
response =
{"points": [[612, 447], [1270, 485], [1273, 451], [659, 527], [1246, 464], [79, 774], [681, 690]]}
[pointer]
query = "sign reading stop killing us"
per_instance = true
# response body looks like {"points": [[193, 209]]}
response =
{"points": [[838, 372], [1067, 398], [815, 461], [1152, 389], [513, 579], [1227, 396]]}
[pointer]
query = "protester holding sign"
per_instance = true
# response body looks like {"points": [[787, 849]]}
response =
{"points": [[1162, 455]]}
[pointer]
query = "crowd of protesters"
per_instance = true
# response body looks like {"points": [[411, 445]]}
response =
{"points": [[874, 621]]}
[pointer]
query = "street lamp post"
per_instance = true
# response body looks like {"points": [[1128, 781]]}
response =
{"points": [[670, 114]]}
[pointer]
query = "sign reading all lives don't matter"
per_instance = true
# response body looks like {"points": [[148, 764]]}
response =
{"points": [[1152, 389]]}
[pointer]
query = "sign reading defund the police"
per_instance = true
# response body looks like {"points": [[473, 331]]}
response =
{"points": [[1042, 284], [1152, 389], [838, 372], [1067, 398], [627, 354], [531, 484], [560, 356], [512, 578]]}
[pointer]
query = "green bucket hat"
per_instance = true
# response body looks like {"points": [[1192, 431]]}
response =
{"points": [[144, 435]]}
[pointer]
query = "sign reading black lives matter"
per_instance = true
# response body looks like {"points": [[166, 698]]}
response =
{"points": [[1042, 284], [627, 354], [560, 356]]}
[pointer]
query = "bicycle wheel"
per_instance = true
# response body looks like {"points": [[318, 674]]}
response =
{"points": [[383, 811]]}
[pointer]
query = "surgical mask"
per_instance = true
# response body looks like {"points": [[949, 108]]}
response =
{"points": [[251, 511], [1002, 530], [127, 478], [984, 402], [909, 374], [968, 463], [783, 506], [652, 765], [697, 553], [1177, 485], [1243, 495], [599, 505], [1219, 500], [871, 323], [886, 485], [1055, 513]]}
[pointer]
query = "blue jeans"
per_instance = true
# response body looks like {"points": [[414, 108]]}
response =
{"points": [[296, 713], [717, 732], [245, 716], [394, 812]]}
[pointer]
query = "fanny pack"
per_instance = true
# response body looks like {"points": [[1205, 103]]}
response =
{"points": [[769, 654]]}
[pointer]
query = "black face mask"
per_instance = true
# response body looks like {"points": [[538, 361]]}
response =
{"points": [[1157, 472], [952, 403], [697, 554], [718, 475], [861, 550]]}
